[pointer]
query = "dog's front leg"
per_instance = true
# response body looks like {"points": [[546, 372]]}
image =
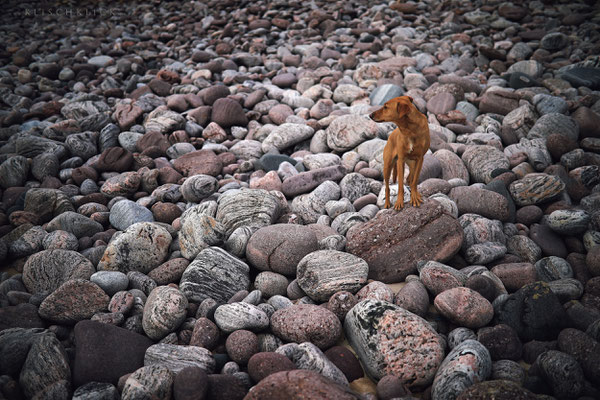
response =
{"points": [[400, 200], [388, 162]]}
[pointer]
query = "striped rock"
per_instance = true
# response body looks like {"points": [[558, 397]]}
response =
{"points": [[438, 277], [124, 184], [176, 357], [142, 247], [215, 274], [198, 231], [247, 207], [535, 188], [325, 272], [392, 341], [568, 222], [307, 356], [164, 311], [48, 269], [467, 364], [235, 316], [482, 160], [153, 381]]}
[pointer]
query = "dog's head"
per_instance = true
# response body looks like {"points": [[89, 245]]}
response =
{"points": [[393, 109]]}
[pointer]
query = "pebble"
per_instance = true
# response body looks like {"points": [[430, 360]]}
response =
{"points": [[125, 213], [47, 270], [141, 247], [568, 222], [414, 358], [249, 207], [263, 364], [280, 247], [73, 301], [234, 316], [77, 224], [562, 372], [467, 364], [241, 345], [502, 342], [198, 232], [215, 274], [325, 272], [164, 311], [308, 356], [96, 390], [464, 307], [482, 160], [542, 319], [198, 187], [176, 358], [307, 323], [110, 281], [148, 381]]}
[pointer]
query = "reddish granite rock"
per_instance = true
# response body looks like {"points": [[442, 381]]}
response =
{"points": [[114, 159], [199, 162], [394, 241], [464, 307]]}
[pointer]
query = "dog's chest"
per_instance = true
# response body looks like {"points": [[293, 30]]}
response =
{"points": [[411, 144]]}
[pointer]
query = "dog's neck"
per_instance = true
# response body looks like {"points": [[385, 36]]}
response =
{"points": [[406, 124]]}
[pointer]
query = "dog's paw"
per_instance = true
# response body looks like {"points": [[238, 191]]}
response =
{"points": [[387, 204], [415, 199], [398, 206]]}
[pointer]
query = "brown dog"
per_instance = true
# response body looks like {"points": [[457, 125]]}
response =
{"points": [[408, 144]]}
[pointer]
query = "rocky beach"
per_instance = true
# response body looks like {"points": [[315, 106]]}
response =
{"points": [[192, 201]]}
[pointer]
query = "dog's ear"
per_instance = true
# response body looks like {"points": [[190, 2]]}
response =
{"points": [[402, 108]]}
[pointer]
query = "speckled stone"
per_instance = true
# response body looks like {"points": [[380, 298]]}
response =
{"points": [[241, 345], [324, 272], [214, 274], [354, 186], [73, 301], [464, 307], [164, 311], [198, 231], [28, 243], [347, 131], [176, 357], [48, 269], [280, 247], [125, 213], [190, 383], [405, 237], [413, 355], [376, 290], [13, 172], [534, 311], [466, 364], [584, 348], [309, 357], [264, 364], [438, 277], [568, 222], [307, 323], [485, 253], [552, 123], [142, 247], [482, 160], [46, 369], [234, 316], [562, 372], [148, 382], [247, 207], [502, 342], [124, 184], [169, 272], [489, 204]]}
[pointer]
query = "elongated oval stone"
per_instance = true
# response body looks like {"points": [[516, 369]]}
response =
{"points": [[176, 357]]}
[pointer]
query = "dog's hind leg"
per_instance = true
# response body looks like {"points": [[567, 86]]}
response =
{"points": [[413, 178]]}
